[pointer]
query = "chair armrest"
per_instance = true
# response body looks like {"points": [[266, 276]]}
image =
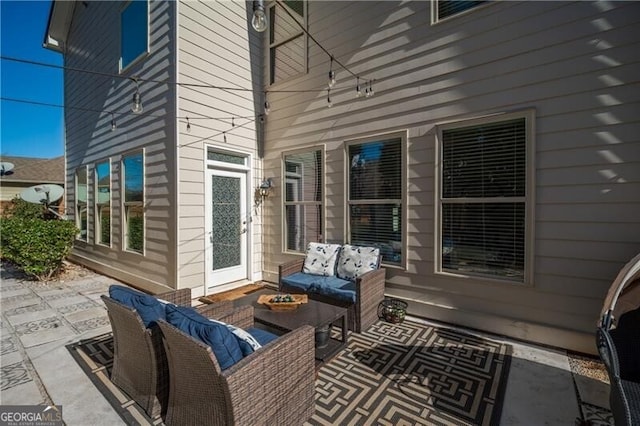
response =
{"points": [[370, 287], [290, 267], [180, 297], [290, 359], [240, 317], [214, 310]]}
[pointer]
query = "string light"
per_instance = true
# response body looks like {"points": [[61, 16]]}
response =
{"points": [[188, 125], [137, 99], [113, 123], [267, 107], [358, 91], [233, 124], [329, 103], [371, 93], [332, 75], [259, 20], [224, 136]]}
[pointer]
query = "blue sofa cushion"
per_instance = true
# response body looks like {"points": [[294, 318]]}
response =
{"points": [[356, 261], [321, 259], [147, 306], [222, 341], [262, 336], [334, 287]]}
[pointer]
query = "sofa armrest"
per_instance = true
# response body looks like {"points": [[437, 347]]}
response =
{"points": [[240, 317], [289, 268], [370, 288], [290, 359], [180, 297]]}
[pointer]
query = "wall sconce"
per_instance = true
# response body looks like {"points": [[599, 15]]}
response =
{"points": [[265, 187], [263, 191]]}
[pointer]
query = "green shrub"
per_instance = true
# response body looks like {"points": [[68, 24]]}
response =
{"points": [[36, 246], [24, 210]]}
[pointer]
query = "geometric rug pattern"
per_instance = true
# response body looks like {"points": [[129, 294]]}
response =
{"points": [[409, 374], [392, 374]]}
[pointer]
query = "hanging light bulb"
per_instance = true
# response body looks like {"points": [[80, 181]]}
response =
{"points": [[113, 123], [371, 93], [137, 99], [329, 103], [332, 75], [233, 124], [267, 107], [358, 91], [224, 136], [188, 125], [259, 20], [367, 90]]}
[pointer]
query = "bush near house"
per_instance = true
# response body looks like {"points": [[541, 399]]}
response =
{"points": [[34, 242]]}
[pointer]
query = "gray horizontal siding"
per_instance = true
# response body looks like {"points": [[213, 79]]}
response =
{"points": [[94, 46], [576, 63]]}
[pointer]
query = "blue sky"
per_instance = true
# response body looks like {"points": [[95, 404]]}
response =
{"points": [[29, 130]]}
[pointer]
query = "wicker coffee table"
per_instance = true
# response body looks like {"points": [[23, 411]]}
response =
{"points": [[316, 314]]}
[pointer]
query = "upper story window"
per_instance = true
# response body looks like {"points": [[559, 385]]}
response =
{"points": [[303, 201], [81, 202], [442, 9], [485, 197], [377, 189], [103, 203], [134, 32], [287, 40], [133, 199]]}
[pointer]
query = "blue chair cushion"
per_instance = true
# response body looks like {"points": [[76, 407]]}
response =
{"points": [[147, 306], [333, 287], [262, 336], [222, 341]]}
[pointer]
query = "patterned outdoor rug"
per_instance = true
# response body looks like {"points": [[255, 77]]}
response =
{"points": [[394, 374]]}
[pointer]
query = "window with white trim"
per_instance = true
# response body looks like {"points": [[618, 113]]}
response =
{"points": [[287, 40], [103, 202], [303, 200], [133, 201], [485, 204], [81, 202], [134, 32], [443, 9], [376, 192]]}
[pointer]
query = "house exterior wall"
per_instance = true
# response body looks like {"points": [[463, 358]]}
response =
{"points": [[215, 48], [574, 63], [94, 44]]}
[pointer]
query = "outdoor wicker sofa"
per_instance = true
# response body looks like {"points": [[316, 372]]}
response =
{"points": [[362, 308], [274, 385], [139, 360]]}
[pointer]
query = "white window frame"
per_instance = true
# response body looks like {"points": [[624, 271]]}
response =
{"points": [[100, 205], [434, 11], [402, 202], [275, 45], [126, 205], [125, 67], [287, 177], [77, 213], [528, 199]]}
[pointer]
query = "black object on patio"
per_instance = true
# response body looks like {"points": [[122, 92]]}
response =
{"points": [[618, 340]]}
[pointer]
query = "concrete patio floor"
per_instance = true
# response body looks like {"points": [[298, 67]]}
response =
{"points": [[546, 386]]}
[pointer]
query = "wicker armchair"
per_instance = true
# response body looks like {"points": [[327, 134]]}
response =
{"points": [[272, 386], [139, 359], [369, 290]]}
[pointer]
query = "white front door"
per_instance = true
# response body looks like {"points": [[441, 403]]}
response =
{"points": [[227, 227]]}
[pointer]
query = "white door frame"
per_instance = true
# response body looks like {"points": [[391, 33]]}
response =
{"points": [[227, 278]]}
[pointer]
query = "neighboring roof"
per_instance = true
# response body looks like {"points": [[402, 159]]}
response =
{"points": [[60, 14], [34, 170]]}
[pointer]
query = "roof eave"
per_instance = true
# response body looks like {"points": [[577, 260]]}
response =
{"points": [[60, 14]]}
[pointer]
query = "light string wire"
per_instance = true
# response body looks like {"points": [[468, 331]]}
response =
{"points": [[332, 57], [203, 117]]}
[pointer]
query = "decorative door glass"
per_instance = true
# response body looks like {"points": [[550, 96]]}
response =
{"points": [[227, 223]]}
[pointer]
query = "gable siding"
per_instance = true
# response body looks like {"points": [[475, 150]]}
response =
{"points": [[575, 63], [93, 45], [215, 48]]}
